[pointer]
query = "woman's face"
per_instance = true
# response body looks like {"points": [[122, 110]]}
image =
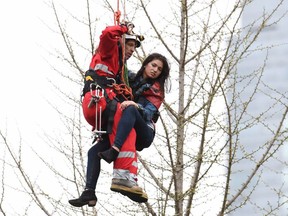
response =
{"points": [[153, 69]]}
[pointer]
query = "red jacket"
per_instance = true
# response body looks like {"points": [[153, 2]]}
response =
{"points": [[107, 53], [154, 95]]}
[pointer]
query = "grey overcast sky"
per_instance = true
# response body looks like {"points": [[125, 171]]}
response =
{"points": [[24, 70]]}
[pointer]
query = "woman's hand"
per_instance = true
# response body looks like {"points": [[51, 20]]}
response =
{"points": [[125, 104]]}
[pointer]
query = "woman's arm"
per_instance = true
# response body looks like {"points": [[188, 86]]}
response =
{"points": [[147, 109]]}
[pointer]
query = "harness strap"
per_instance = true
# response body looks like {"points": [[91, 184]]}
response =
{"points": [[110, 113], [92, 77]]}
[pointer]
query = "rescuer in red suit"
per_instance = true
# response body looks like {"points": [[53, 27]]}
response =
{"points": [[105, 73]]}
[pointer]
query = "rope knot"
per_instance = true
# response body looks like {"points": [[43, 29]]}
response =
{"points": [[124, 90], [117, 16]]}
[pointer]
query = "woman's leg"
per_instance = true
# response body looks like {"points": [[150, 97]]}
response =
{"points": [[145, 136], [129, 119], [93, 163], [88, 196]]}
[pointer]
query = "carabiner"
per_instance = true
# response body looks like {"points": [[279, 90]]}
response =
{"points": [[113, 81]]}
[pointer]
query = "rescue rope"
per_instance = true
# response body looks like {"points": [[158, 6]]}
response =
{"points": [[117, 16], [123, 88]]}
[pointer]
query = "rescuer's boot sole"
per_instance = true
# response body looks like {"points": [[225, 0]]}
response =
{"points": [[136, 198], [88, 197], [126, 188]]}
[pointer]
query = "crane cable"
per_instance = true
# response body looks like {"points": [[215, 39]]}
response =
{"points": [[123, 88]]}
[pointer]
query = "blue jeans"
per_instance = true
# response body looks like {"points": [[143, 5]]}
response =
{"points": [[93, 163], [131, 118]]}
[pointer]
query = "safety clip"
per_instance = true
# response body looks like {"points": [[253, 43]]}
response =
{"points": [[112, 83], [95, 91]]}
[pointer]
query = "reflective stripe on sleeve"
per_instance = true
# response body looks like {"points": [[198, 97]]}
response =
{"points": [[103, 68]]}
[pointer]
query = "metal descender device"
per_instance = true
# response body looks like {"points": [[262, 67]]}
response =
{"points": [[97, 92]]}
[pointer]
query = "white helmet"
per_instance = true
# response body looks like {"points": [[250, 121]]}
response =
{"points": [[133, 37]]}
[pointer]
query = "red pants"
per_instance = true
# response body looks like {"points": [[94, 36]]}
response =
{"points": [[127, 158], [125, 166]]}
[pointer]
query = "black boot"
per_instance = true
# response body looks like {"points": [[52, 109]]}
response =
{"points": [[88, 197], [109, 155]]}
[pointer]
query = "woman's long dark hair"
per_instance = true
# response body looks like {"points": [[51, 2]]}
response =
{"points": [[164, 73]]}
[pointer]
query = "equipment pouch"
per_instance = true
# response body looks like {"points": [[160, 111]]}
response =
{"points": [[88, 80]]}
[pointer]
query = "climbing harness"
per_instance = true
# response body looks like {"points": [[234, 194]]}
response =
{"points": [[97, 86]]}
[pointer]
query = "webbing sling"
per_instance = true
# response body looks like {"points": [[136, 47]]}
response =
{"points": [[109, 114]]}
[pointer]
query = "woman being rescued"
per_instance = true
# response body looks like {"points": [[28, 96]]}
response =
{"points": [[140, 115]]}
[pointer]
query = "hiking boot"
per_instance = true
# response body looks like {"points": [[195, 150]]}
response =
{"points": [[88, 197], [127, 188], [109, 155], [136, 198]]}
